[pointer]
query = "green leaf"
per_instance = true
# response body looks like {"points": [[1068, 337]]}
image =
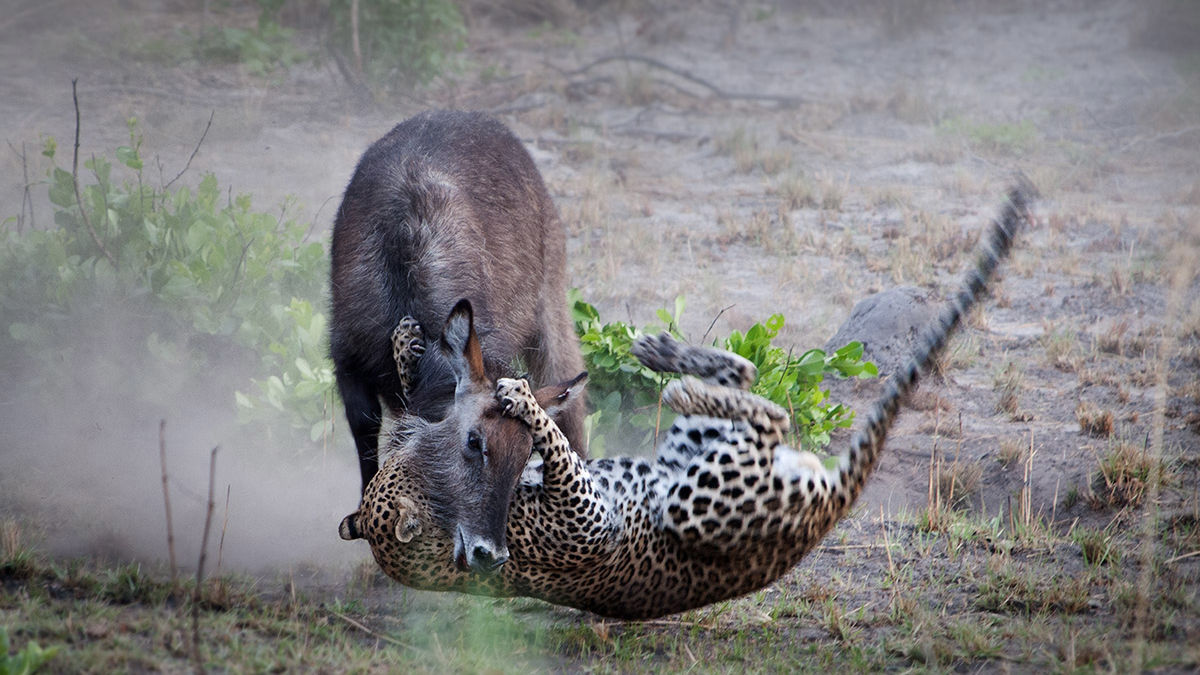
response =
{"points": [[129, 157]]}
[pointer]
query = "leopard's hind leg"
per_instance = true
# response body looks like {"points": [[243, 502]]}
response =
{"points": [[664, 354]]}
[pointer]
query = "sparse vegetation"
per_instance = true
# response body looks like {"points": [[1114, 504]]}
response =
{"points": [[795, 191], [1015, 588], [264, 49], [1059, 345], [1098, 547], [26, 661]]}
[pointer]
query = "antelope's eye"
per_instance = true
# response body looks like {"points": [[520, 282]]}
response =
{"points": [[475, 443]]}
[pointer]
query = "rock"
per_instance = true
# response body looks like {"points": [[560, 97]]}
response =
{"points": [[888, 324]]}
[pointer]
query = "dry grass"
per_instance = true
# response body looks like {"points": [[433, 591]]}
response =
{"points": [[1008, 384], [1125, 472], [1060, 348], [795, 191], [832, 194], [1011, 450], [1094, 421], [748, 153]]}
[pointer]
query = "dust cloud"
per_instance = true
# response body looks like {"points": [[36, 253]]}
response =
{"points": [[80, 465]]}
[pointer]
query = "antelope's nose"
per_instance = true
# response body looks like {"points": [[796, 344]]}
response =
{"points": [[486, 559]]}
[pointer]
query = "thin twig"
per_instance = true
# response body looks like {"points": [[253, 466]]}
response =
{"points": [[848, 547], [196, 149], [368, 631], [719, 92], [196, 655], [162, 458], [1159, 137], [75, 182], [713, 323], [25, 198], [658, 413], [1177, 558]]}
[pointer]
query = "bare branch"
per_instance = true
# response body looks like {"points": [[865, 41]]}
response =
{"points": [[75, 181], [196, 655], [194, 150], [719, 92]]}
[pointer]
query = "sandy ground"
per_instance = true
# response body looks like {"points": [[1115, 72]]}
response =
{"points": [[785, 157]]}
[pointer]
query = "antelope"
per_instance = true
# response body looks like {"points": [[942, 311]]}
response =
{"points": [[448, 221]]}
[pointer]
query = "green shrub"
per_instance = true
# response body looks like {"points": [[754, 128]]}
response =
{"points": [[213, 280], [625, 393]]}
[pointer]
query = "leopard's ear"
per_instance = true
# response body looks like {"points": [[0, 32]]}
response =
{"points": [[554, 398], [407, 529], [408, 525]]}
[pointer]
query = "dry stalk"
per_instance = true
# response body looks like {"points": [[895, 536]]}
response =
{"points": [[26, 199], [224, 524], [1026, 504], [933, 498], [196, 655], [162, 458], [887, 544], [368, 631], [354, 41]]}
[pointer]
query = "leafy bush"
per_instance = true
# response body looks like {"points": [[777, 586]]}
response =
{"points": [[626, 393], [215, 281], [403, 42]]}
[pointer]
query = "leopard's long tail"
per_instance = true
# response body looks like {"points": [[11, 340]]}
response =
{"points": [[855, 465]]}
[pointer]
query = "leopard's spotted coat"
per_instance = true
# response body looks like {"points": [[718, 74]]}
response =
{"points": [[722, 510]]}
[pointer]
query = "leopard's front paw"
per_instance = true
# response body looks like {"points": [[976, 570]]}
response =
{"points": [[408, 344], [516, 399], [408, 341]]}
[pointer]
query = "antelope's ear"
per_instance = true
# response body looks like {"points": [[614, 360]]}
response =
{"points": [[349, 529], [554, 398], [460, 346]]}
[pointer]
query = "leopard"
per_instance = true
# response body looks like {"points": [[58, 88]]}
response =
{"points": [[724, 508]]}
